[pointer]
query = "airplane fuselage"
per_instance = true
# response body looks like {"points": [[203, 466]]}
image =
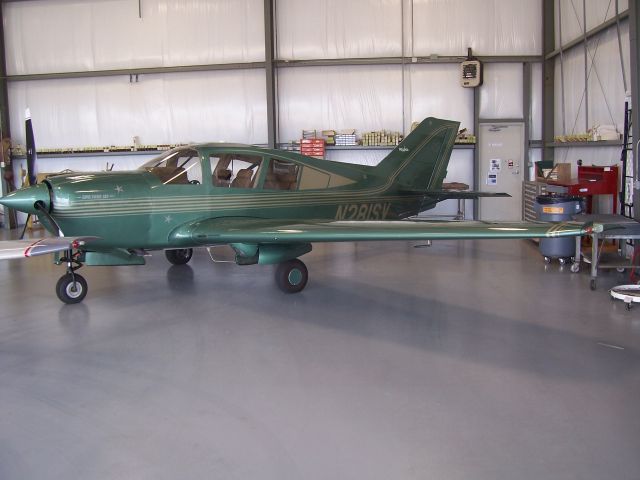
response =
{"points": [[138, 210]]}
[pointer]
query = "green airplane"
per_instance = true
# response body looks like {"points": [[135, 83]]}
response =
{"points": [[268, 205]]}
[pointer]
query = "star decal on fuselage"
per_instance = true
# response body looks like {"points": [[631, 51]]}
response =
{"points": [[168, 218], [119, 189]]}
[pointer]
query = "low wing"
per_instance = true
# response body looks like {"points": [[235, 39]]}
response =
{"points": [[246, 230], [43, 246]]}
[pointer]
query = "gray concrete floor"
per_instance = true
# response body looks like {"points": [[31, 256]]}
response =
{"points": [[466, 360]]}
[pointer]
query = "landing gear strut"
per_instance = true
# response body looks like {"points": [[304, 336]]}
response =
{"points": [[292, 276], [71, 287]]}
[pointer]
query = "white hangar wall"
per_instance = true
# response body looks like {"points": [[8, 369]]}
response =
{"points": [[67, 36], [606, 95], [159, 109], [72, 36], [338, 29]]}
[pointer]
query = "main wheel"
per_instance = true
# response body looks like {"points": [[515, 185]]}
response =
{"points": [[71, 288], [292, 276], [180, 256]]}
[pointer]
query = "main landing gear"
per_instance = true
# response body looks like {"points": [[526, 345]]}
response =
{"points": [[179, 256], [72, 287], [292, 276]]}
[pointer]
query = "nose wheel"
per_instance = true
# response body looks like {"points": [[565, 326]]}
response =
{"points": [[71, 288]]}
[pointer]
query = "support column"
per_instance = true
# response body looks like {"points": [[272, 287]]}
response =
{"points": [[634, 39], [548, 78], [5, 128], [477, 174], [526, 115], [269, 67]]}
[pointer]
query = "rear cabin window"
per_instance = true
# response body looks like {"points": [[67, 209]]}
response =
{"points": [[282, 175], [181, 167], [286, 175], [232, 170], [311, 179]]}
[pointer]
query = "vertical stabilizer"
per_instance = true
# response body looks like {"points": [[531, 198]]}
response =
{"points": [[420, 161]]}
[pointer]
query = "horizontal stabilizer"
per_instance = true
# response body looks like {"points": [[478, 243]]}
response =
{"points": [[448, 194], [464, 194]]}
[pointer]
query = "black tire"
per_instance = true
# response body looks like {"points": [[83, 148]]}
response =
{"points": [[71, 288], [180, 256], [292, 276]]}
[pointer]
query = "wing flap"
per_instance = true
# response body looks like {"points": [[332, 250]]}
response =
{"points": [[32, 248], [244, 230]]}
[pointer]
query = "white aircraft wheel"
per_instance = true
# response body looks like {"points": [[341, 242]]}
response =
{"points": [[179, 256], [575, 267], [71, 288], [292, 276]]}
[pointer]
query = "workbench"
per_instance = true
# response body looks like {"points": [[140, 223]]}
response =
{"points": [[615, 227]]}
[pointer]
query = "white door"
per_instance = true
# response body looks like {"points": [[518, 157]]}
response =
{"points": [[502, 166]]}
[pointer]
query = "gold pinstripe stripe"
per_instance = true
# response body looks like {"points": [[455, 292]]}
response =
{"points": [[185, 204]]}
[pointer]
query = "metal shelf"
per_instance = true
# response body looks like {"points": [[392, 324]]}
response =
{"points": [[91, 154], [391, 147], [602, 143]]}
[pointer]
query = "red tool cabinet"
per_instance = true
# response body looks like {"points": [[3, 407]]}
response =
{"points": [[593, 181]]}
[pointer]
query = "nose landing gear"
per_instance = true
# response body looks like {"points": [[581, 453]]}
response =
{"points": [[71, 287]]}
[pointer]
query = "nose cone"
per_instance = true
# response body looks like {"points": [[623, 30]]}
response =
{"points": [[24, 199]]}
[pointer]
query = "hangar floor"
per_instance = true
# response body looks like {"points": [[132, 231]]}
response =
{"points": [[463, 360]]}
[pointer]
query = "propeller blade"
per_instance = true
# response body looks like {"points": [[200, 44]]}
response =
{"points": [[31, 149]]}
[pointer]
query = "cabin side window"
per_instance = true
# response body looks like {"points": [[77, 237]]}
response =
{"points": [[312, 179], [288, 175], [282, 175], [232, 170], [181, 167]]}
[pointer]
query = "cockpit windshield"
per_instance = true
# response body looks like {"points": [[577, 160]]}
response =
{"points": [[176, 167]]}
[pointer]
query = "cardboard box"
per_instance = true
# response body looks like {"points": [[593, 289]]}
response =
{"points": [[563, 172], [560, 172]]}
